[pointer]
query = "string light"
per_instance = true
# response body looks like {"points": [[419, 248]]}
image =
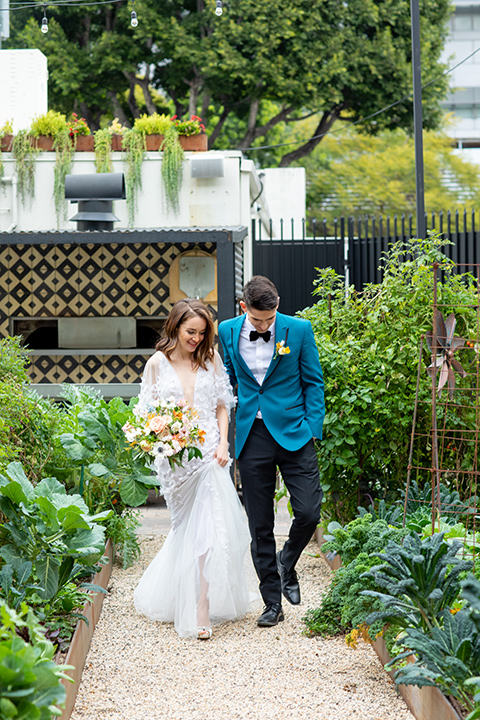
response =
{"points": [[219, 8], [44, 26], [133, 16]]}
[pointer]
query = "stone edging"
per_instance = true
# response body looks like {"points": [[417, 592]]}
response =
{"points": [[425, 703], [82, 636]]}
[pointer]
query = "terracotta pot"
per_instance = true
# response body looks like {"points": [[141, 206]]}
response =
{"points": [[194, 143], [190, 143], [85, 143], [153, 142], [6, 143], [117, 143], [43, 142]]}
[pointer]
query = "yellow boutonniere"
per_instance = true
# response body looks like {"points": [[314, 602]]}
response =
{"points": [[281, 349]]}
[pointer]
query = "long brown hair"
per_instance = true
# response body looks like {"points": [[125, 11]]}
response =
{"points": [[182, 311]]}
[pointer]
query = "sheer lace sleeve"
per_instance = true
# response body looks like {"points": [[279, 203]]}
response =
{"points": [[149, 389], [222, 386]]}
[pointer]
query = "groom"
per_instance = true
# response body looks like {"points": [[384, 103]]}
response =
{"points": [[274, 361]]}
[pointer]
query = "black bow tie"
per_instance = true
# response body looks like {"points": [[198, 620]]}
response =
{"points": [[254, 335]]}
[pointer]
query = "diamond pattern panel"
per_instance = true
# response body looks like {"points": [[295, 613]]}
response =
{"points": [[86, 280]]}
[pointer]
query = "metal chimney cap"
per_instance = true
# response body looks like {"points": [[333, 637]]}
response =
{"points": [[95, 186]]}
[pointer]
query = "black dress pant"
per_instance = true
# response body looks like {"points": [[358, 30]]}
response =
{"points": [[258, 461]]}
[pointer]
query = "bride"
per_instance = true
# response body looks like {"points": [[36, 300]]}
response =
{"points": [[197, 579]]}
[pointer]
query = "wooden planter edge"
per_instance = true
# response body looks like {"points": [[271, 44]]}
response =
{"points": [[82, 636], [424, 703]]}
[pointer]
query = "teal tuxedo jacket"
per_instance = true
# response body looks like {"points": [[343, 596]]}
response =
{"points": [[291, 397]]}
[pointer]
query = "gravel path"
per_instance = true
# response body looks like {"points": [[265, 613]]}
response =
{"points": [[141, 670]]}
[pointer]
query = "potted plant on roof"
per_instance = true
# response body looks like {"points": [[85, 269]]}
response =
{"points": [[52, 129], [107, 139], [24, 154], [80, 135], [6, 137]]}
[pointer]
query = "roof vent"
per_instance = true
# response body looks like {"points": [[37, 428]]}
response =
{"points": [[95, 195]]}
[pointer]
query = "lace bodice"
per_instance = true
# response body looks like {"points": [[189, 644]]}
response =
{"points": [[212, 388]]}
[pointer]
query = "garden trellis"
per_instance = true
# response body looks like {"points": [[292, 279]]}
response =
{"points": [[455, 414]]}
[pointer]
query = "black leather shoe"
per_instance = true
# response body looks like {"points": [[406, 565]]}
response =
{"points": [[272, 615], [289, 580]]}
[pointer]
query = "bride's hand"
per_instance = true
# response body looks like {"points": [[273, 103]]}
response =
{"points": [[221, 453]]}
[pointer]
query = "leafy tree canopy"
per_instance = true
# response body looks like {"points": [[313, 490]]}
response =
{"points": [[354, 174], [258, 65]]}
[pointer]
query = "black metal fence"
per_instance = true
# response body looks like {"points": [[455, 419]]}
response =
{"points": [[353, 248]]}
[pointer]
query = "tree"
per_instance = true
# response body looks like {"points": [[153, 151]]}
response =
{"points": [[354, 174], [324, 58]]}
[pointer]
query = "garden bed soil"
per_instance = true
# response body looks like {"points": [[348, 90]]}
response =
{"points": [[425, 703], [82, 636]]}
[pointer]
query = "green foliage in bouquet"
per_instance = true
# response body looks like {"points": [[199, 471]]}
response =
{"points": [[368, 345], [30, 679]]}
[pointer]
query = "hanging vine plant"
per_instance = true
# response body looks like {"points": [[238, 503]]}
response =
{"points": [[65, 152], [103, 151], [133, 142], [24, 154], [172, 167]]}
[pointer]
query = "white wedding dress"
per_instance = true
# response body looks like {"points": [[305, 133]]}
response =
{"points": [[208, 521]]}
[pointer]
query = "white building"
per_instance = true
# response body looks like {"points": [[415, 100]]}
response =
{"points": [[463, 101]]}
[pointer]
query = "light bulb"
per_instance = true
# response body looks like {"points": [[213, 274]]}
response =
{"points": [[44, 27], [133, 19], [218, 9]]}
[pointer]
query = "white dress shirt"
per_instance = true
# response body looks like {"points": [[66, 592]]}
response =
{"points": [[257, 354]]}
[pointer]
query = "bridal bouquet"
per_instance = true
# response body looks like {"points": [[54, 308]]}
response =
{"points": [[167, 428]]}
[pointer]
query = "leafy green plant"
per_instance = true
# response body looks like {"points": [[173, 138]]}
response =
{"points": [[114, 477], [446, 657], [369, 348], [360, 545], [153, 124], [25, 155], [30, 680], [13, 360], [133, 143], [392, 514], [360, 535], [172, 167], [122, 531], [103, 150], [47, 536], [452, 507], [52, 124], [419, 580]]}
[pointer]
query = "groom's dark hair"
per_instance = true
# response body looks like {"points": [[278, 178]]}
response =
{"points": [[260, 293]]}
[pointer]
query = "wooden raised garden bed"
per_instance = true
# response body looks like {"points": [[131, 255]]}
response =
{"points": [[425, 703], [82, 636]]}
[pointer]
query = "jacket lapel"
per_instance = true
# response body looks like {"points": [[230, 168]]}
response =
{"points": [[235, 339], [281, 333]]}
